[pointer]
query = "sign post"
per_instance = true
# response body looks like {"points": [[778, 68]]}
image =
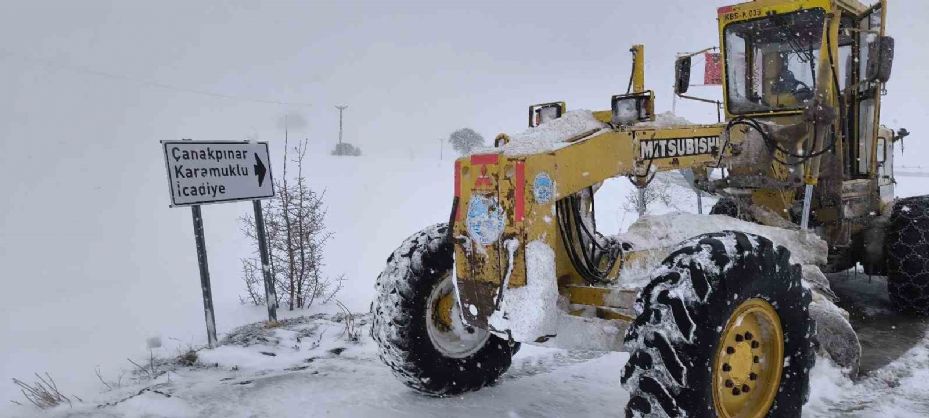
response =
{"points": [[203, 172], [270, 293], [204, 277]]}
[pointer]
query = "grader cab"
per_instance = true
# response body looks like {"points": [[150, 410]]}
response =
{"points": [[709, 307]]}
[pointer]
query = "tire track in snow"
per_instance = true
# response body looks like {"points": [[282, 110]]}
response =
{"points": [[536, 364]]}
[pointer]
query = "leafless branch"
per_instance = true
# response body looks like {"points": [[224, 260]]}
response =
{"points": [[43, 393], [100, 377], [351, 332]]}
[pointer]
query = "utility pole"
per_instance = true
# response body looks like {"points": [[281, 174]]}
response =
{"points": [[441, 148], [341, 109]]}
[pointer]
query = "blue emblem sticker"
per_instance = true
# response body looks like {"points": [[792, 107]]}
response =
{"points": [[485, 220], [543, 188]]}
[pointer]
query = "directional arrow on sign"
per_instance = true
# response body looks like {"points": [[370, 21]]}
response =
{"points": [[260, 170]]}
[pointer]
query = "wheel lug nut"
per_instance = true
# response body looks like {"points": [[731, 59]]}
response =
{"points": [[745, 388], [748, 335], [730, 350], [729, 383], [756, 344], [738, 338], [736, 391], [752, 376], [756, 360], [726, 367]]}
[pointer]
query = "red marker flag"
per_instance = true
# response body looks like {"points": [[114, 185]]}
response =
{"points": [[713, 72]]}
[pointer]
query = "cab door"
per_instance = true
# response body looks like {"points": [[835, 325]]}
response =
{"points": [[868, 93], [885, 165]]}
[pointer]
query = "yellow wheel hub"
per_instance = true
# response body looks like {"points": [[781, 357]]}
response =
{"points": [[442, 312], [749, 362]]}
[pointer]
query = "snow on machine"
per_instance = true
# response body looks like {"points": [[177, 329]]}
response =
{"points": [[722, 314]]}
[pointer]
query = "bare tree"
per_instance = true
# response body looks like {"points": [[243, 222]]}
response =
{"points": [[465, 139], [657, 191], [296, 233]]}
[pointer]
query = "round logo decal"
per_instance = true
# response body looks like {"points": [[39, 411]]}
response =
{"points": [[543, 188], [485, 219]]}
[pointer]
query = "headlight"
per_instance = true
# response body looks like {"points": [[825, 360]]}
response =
{"points": [[541, 113], [631, 108]]}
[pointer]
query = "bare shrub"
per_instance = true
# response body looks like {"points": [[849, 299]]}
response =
{"points": [[187, 359], [43, 393], [351, 331], [110, 385], [657, 191], [296, 234]]}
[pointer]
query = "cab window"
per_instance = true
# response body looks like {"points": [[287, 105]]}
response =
{"points": [[772, 62]]}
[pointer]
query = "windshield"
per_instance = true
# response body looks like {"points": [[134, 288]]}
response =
{"points": [[772, 62]]}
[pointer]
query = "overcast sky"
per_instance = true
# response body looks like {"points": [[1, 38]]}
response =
{"points": [[410, 71]]}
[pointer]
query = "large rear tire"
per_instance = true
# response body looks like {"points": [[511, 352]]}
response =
{"points": [[418, 327], [724, 330], [907, 249], [726, 206]]}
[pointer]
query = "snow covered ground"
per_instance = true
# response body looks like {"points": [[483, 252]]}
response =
{"points": [[309, 367], [316, 371]]}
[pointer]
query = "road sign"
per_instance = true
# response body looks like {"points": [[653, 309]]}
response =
{"points": [[217, 171]]}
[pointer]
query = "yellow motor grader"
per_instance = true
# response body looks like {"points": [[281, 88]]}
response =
{"points": [[716, 324]]}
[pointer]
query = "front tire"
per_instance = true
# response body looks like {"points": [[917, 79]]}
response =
{"points": [[907, 247], [418, 328], [724, 330]]}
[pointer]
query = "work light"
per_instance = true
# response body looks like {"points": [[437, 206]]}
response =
{"points": [[541, 113], [631, 108]]}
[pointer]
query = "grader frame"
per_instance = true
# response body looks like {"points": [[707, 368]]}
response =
{"points": [[711, 313], [839, 205]]}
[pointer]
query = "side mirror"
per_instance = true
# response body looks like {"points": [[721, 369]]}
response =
{"points": [[880, 59], [681, 75], [541, 113], [631, 108]]}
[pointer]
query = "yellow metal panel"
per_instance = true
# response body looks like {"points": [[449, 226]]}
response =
{"points": [[591, 161], [582, 295], [677, 148], [473, 260], [604, 116], [541, 222]]}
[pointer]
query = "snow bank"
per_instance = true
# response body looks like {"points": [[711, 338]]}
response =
{"points": [[665, 120], [897, 390], [659, 234], [527, 312], [653, 232], [587, 333], [551, 135]]}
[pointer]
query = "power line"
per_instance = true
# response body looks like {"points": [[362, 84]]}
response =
{"points": [[150, 83]]}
